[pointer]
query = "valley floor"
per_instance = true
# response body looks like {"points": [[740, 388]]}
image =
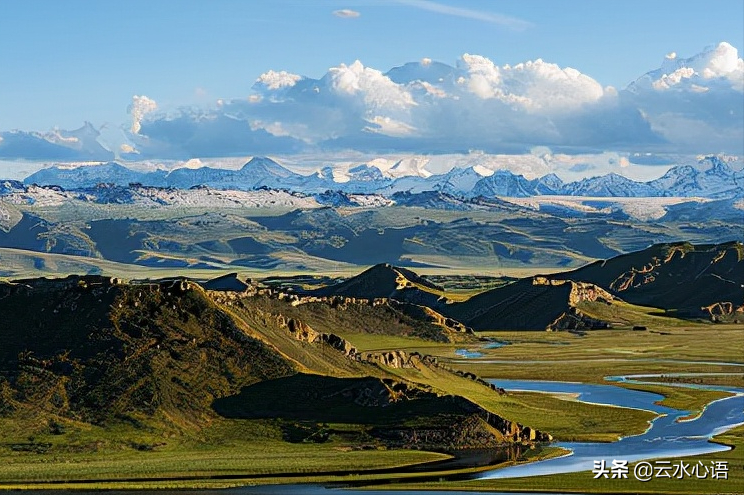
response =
{"points": [[240, 452]]}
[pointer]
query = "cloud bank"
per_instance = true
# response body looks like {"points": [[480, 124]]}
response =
{"points": [[693, 105]]}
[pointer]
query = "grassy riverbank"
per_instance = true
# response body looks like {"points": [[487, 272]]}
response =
{"points": [[584, 482], [250, 451], [178, 477]]}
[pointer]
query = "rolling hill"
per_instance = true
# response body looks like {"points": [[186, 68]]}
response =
{"points": [[382, 280], [683, 279], [131, 359], [531, 304]]}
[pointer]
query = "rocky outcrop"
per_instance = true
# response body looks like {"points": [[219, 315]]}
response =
{"points": [[389, 359], [478, 428], [303, 332], [70, 282], [425, 313], [575, 320], [724, 312], [580, 291]]}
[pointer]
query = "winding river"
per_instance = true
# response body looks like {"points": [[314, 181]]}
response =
{"points": [[666, 436]]}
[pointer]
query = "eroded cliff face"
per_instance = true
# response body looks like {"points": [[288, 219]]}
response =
{"points": [[725, 312], [580, 291], [440, 328], [302, 331], [575, 320]]}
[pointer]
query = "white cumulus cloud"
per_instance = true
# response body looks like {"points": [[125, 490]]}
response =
{"points": [[140, 106], [685, 105], [376, 89], [273, 80], [720, 63], [536, 85], [390, 127]]}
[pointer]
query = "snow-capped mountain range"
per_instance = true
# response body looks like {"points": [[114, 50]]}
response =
{"points": [[711, 177]]}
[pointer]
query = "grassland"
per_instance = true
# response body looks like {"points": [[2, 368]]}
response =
{"points": [[567, 357], [248, 451], [228, 448]]}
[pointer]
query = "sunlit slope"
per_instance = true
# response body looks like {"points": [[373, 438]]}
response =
{"points": [[172, 358]]}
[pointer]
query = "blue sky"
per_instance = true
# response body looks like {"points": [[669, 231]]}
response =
{"points": [[62, 63]]}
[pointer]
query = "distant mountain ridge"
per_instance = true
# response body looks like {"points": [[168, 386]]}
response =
{"points": [[712, 178]]}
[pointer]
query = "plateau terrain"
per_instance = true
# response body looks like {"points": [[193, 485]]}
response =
{"points": [[97, 372]]}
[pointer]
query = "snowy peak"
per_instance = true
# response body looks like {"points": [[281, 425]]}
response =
{"points": [[548, 184], [263, 166], [717, 166], [610, 185], [711, 177], [85, 176], [503, 183], [365, 173], [462, 180], [412, 166]]}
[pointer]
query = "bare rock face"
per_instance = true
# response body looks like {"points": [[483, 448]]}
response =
{"points": [[302, 331], [389, 359], [585, 292], [573, 319], [580, 291], [425, 313], [724, 311]]}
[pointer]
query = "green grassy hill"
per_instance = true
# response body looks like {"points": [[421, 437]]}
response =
{"points": [[145, 362], [89, 350], [385, 281], [689, 281]]}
